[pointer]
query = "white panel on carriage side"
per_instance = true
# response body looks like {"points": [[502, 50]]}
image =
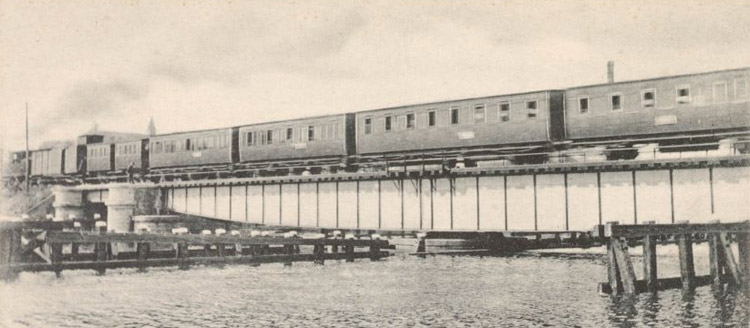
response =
{"points": [[347, 205], [193, 201], [271, 204], [441, 204], [239, 200], [169, 197], [222, 203], [583, 201], [426, 216], [550, 202], [328, 205], [617, 197], [520, 202], [411, 204], [653, 199], [255, 204], [180, 196], [692, 195], [465, 204], [208, 202], [369, 205], [390, 204], [731, 194], [308, 205], [104, 195], [289, 204], [491, 203]]}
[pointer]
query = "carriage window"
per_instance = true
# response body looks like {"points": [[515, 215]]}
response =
{"points": [[504, 111], [683, 94], [720, 92], [479, 114], [431, 118], [648, 98], [310, 133], [454, 115], [289, 133], [387, 123], [410, 122], [616, 101], [249, 139], [532, 108], [368, 125], [740, 89], [583, 105]]}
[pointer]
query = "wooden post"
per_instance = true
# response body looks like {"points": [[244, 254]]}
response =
{"points": [[715, 260], [743, 245], [10, 244], [374, 252], [624, 265], [182, 255], [613, 272], [349, 248], [730, 263], [319, 251], [687, 268], [101, 255], [55, 256], [143, 250], [422, 247], [649, 261]]}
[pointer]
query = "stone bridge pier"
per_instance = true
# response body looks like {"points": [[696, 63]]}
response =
{"points": [[122, 201]]}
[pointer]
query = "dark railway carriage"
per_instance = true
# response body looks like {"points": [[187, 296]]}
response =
{"points": [[526, 118], [695, 103], [133, 151], [316, 137], [99, 158], [195, 148]]}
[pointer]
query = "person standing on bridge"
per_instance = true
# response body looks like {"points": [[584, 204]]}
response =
{"points": [[130, 170]]}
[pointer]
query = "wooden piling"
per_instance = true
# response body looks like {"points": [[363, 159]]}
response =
{"points": [[743, 246], [143, 249], [319, 252], [101, 254], [55, 256], [613, 274], [716, 261], [182, 255], [730, 264], [349, 249], [10, 245], [624, 265], [374, 252], [687, 267], [649, 261]]}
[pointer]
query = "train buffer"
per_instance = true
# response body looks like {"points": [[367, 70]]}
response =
{"points": [[726, 267], [54, 250]]}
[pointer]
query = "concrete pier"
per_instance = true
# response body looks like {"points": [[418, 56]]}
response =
{"points": [[68, 203], [120, 208]]}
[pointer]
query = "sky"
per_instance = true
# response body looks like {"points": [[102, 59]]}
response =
{"points": [[207, 64]]}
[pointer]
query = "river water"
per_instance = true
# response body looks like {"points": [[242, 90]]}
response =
{"points": [[401, 291]]}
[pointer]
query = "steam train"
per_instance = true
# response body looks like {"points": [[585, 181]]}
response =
{"points": [[610, 121]]}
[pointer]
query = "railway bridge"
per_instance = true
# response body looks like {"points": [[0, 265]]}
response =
{"points": [[545, 197]]}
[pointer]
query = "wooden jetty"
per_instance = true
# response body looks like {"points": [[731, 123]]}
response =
{"points": [[502, 242], [726, 268], [27, 248]]}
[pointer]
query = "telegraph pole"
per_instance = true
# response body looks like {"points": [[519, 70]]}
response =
{"points": [[27, 148]]}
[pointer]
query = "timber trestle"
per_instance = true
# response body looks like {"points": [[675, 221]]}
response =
{"points": [[726, 267], [56, 250]]}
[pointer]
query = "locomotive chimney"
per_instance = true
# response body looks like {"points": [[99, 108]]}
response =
{"points": [[611, 71]]}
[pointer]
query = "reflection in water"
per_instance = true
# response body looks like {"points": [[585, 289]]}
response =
{"points": [[400, 291]]}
